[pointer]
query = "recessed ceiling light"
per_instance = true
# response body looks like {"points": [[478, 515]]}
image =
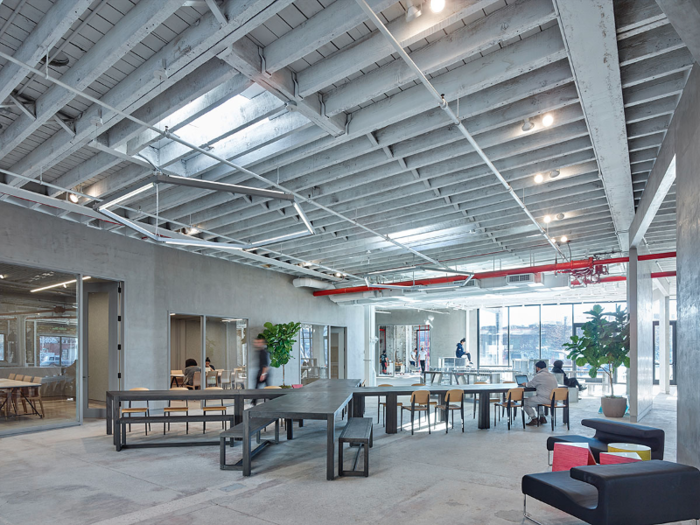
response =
{"points": [[564, 239], [559, 216], [547, 120], [547, 219], [73, 198], [527, 125], [437, 5], [554, 174], [539, 178]]}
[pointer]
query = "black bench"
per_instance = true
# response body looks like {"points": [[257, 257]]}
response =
{"points": [[358, 432], [614, 432], [124, 421], [643, 493], [237, 432]]}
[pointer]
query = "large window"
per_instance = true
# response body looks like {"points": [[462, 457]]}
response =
{"points": [[493, 336], [524, 333], [2, 347], [556, 330]]}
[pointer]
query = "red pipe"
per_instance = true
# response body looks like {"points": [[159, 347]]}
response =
{"points": [[556, 267]]}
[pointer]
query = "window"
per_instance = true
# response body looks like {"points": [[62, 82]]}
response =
{"points": [[524, 332], [2, 347], [493, 336], [556, 330], [57, 350]]}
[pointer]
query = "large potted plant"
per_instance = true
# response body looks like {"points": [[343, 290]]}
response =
{"points": [[604, 346], [280, 340]]}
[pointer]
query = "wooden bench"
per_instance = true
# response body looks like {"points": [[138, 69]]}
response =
{"points": [[359, 432], [237, 432], [124, 421]]}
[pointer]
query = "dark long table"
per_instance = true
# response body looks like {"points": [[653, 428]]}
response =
{"points": [[392, 393], [321, 400]]}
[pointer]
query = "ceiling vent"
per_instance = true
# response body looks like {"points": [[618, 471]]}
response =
{"points": [[521, 279]]}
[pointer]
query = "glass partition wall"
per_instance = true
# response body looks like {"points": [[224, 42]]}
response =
{"points": [[215, 347], [313, 352], [39, 348]]}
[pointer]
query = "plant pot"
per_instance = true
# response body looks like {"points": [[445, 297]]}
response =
{"points": [[614, 406]]}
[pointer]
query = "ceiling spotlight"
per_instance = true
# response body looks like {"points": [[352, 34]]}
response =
{"points": [[338, 274], [554, 174], [564, 239], [73, 198], [547, 120], [414, 10], [559, 216], [2, 276], [193, 230], [437, 5], [539, 178], [527, 125], [547, 219]]}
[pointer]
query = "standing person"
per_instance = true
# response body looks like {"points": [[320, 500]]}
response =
{"points": [[384, 361], [461, 352], [413, 357], [543, 383], [260, 345], [422, 355]]}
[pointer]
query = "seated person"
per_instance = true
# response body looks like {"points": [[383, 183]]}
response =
{"points": [[190, 368], [572, 382], [460, 352], [543, 383], [208, 364]]}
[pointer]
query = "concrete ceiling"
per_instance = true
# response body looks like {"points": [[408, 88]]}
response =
{"points": [[309, 96]]}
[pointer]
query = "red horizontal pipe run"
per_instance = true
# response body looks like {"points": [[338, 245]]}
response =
{"points": [[556, 267], [617, 278]]}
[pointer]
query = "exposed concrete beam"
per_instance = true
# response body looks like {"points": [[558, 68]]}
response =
{"points": [[126, 34], [588, 29], [684, 16]]}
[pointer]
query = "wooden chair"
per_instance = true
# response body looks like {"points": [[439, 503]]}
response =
{"points": [[34, 395], [212, 378], [12, 376], [272, 387], [196, 381], [225, 379], [512, 401], [177, 408], [433, 403], [492, 399], [138, 410], [239, 377], [420, 402], [381, 406], [452, 396], [559, 398], [217, 408]]}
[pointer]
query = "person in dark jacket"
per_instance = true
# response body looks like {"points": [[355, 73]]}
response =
{"points": [[260, 345], [568, 381], [461, 352], [190, 368], [384, 361]]}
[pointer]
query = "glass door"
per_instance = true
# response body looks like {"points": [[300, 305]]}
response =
{"points": [[671, 353]]}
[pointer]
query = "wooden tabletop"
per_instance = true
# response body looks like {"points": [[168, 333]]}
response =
{"points": [[11, 383]]}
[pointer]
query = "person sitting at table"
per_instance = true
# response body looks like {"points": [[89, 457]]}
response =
{"points": [[572, 382], [543, 383], [207, 362], [461, 352], [190, 368]]}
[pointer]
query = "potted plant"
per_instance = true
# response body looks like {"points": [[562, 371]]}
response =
{"points": [[280, 340], [604, 346]]}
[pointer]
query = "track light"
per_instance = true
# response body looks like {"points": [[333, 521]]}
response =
{"points": [[437, 5], [539, 178], [527, 125], [414, 10], [547, 219], [554, 174], [564, 239], [73, 198], [547, 120]]}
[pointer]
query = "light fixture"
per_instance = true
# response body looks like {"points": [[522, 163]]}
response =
{"points": [[527, 125], [559, 216], [172, 314], [205, 244], [57, 285], [437, 5], [280, 238], [554, 174], [338, 274], [2, 276], [564, 239], [303, 217], [73, 198], [539, 178], [547, 120], [547, 219], [193, 230], [126, 196], [414, 10]]}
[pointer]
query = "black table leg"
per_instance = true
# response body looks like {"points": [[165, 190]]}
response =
{"points": [[246, 444], [391, 413], [484, 410], [108, 414], [238, 408], [290, 428], [358, 406], [439, 414], [330, 448]]}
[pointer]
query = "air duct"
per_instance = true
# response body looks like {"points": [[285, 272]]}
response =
{"points": [[308, 282]]}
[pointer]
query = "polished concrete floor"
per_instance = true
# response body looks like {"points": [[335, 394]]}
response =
{"points": [[74, 476]]}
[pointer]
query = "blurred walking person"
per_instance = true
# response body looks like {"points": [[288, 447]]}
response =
{"points": [[260, 345]]}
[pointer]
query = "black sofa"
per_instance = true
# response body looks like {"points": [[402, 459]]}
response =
{"points": [[615, 432], [643, 493]]}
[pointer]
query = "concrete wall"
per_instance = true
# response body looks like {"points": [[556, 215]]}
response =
{"points": [[446, 330], [687, 137], [159, 280]]}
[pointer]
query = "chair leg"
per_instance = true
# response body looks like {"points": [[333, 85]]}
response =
{"points": [[411, 422], [427, 413]]}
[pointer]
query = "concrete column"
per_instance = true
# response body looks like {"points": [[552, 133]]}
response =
{"points": [[370, 340], [662, 333], [665, 357], [472, 334], [640, 304]]}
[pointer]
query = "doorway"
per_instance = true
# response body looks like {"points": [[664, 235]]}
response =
{"points": [[101, 344], [338, 359], [671, 353]]}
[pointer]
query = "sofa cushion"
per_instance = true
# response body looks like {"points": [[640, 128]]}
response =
{"points": [[560, 491], [618, 432]]}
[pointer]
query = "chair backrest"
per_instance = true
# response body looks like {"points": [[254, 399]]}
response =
{"points": [[515, 394], [138, 389], [559, 394], [418, 384], [197, 379], [454, 396], [27, 379], [480, 383], [187, 403], [420, 397], [385, 385], [12, 376], [560, 378], [273, 387]]}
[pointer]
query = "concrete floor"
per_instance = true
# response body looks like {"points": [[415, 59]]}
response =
{"points": [[74, 476]]}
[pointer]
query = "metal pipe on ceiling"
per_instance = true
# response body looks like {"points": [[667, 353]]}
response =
{"points": [[545, 268], [442, 104]]}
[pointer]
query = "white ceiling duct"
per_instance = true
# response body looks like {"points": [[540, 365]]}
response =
{"points": [[308, 282]]}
